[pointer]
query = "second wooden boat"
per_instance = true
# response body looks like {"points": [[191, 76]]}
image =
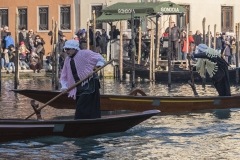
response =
{"points": [[139, 103]]}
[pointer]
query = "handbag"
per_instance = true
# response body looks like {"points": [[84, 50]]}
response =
{"points": [[39, 48]]}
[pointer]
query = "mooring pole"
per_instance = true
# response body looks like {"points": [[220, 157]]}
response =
{"points": [[121, 52], [139, 44], [53, 55], [1, 61], [237, 52], [16, 59], [88, 40], [169, 53], [56, 57], [133, 51], [214, 43]]}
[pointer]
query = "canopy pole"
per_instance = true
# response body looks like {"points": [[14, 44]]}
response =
{"points": [[16, 59], [88, 41], [121, 52], [94, 30], [158, 42], [133, 49], [169, 53], [139, 45]]}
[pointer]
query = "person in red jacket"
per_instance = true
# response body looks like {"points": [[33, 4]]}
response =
{"points": [[184, 44]]}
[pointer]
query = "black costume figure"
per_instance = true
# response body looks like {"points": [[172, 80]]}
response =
{"points": [[221, 77]]}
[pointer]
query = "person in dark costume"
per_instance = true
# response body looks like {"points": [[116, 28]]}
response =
{"points": [[216, 67], [78, 65]]}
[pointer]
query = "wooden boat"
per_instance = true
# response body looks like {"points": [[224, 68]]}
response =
{"points": [[177, 74], [11, 130], [140, 103]]}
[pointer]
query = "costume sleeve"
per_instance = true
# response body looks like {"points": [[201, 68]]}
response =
{"points": [[101, 61]]}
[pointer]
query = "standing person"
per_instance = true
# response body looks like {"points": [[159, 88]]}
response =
{"points": [[6, 59], [105, 40], [233, 50], [8, 40], [99, 43], [24, 37], [83, 40], [175, 38], [62, 54], [3, 35], [31, 39], [39, 45], [11, 54], [197, 38], [78, 65], [218, 43], [226, 51], [216, 67]]}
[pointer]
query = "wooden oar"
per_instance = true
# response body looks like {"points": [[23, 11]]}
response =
{"points": [[70, 88]]}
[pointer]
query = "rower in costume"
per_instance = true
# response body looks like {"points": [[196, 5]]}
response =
{"points": [[216, 67], [78, 65]]}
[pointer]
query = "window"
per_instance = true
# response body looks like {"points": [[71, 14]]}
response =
{"points": [[227, 18], [22, 18], [98, 11], [43, 18], [65, 18], [4, 17], [185, 19]]}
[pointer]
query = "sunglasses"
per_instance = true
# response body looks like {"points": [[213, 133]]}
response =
{"points": [[67, 49]]}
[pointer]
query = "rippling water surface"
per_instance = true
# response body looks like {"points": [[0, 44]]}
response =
{"points": [[211, 134]]}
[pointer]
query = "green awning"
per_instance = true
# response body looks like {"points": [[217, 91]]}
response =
{"points": [[118, 17], [166, 7]]}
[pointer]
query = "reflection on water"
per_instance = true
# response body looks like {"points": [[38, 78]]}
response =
{"points": [[211, 134]]}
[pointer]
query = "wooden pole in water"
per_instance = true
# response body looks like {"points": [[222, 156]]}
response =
{"points": [[209, 38], [121, 52], [1, 61], [53, 55], [157, 41], [56, 49], [169, 53], [237, 52], [16, 60], [94, 30], [88, 41], [133, 49], [151, 56], [187, 44], [204, 35], [139, 45], [214, 43]]}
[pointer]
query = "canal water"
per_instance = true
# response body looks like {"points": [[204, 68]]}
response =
{"points": [[213, 134]]}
